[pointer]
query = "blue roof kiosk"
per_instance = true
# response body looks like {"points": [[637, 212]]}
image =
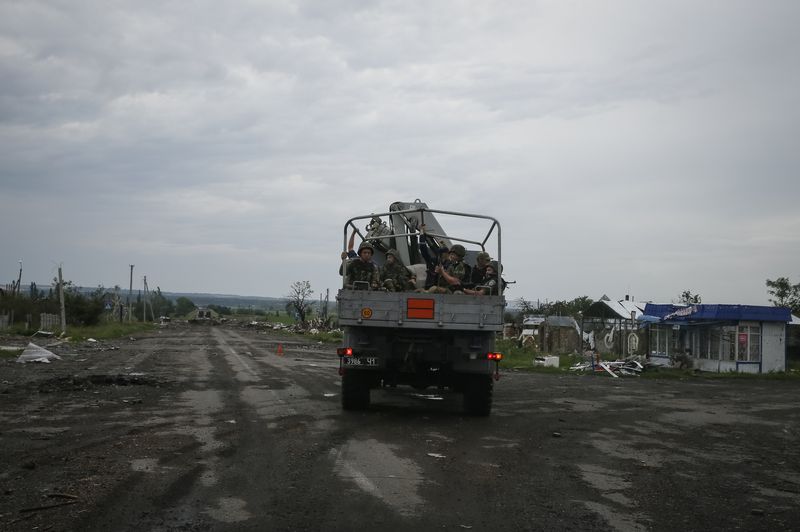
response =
{"points": [[743, 338]]}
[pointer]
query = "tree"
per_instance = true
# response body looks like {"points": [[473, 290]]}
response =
{"points": [[222, 310], [525, 307], [161, 306], [784, 293], [183, 306], [298, 296], [688, 298], [81, 309]]}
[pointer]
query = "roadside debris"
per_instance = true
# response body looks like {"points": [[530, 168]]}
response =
{"points": [[546, 361], [34, 353], [616, 368], [47, 506]]}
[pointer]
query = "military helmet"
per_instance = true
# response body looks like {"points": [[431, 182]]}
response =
{"points": [[483, 256], [365, 245], [393, 253], [494, 266], [459, 250]]}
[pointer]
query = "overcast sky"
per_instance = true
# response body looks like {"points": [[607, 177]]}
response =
{"points": [[626, 147]]}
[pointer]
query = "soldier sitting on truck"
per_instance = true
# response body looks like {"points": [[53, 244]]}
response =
{"points": [[394, 276], [487, 287], [349, 254], [362, 274], [479, 270], [457, 273]]}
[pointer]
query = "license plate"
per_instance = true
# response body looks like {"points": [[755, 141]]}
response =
{"points": [[360, 361]]}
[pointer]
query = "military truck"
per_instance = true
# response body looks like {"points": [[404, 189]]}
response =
{"points": [[415, 338]]}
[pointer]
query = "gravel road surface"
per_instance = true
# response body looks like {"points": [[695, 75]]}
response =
{"points": [[210, 428]]}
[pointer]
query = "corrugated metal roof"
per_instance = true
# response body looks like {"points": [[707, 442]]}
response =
{"points": [[719, 312], [561, 321], [615, 309]]}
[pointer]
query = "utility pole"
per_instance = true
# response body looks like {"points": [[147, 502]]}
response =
{"points": [[61, 297], [146, 301], [130, 290], [15, 288]]}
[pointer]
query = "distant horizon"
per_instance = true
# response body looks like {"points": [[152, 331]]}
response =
{"points": [[315, 296], [140, 289]]}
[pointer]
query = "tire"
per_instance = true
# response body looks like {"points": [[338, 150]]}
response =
{"points": [[355, 391], [478, 395]]}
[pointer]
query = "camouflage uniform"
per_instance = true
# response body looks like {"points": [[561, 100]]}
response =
{"points": [[479, 270], [358, 270], [457, 269], [394, 275], [488, 286]]}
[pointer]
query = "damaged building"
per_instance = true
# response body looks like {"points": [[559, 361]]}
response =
{"points": [[614, 326], [741, 338]]}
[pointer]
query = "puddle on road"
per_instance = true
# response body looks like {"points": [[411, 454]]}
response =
{"points": [[244, 370], [204, 403], [493, 442], [200, 407], [291, 400], [230, 510], [608, 482], [624, 446], [617, 521], [271, 404], [144, 465], [375, 469]]}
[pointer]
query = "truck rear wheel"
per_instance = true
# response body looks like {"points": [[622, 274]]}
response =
{"points": [[478, 395], [355, 391]]}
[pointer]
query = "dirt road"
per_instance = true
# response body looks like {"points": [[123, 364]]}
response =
{"points": [[209, 428]]}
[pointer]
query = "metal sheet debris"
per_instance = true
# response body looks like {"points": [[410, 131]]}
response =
{"points": [[34, 353], [616, 368]]}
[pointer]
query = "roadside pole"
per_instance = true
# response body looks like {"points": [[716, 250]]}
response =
{"points": [[61, 297], [130, 290]]}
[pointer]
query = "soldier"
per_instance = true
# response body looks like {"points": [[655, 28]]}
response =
{"points": [[488, 286], [457, 273], [349, 254], [479, 271], [395, 277], [362, 271]]}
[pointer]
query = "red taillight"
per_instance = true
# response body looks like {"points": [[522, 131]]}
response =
{"points": [[494, 356], [345, 351]]}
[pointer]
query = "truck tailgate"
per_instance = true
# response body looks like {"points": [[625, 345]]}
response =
{"points": [[367, 308]]}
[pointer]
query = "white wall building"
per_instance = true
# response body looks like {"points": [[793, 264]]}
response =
{"points": [[743, 338]]}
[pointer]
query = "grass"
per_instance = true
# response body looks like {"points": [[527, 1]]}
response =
{"points": [[13, 353], [515, 357], [107, 331], [327, 337]]}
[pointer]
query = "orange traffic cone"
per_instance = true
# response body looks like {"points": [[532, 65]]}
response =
{"points": [[280, 350]]}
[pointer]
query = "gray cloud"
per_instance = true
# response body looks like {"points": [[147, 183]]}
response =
{"points": [[626, 147]]}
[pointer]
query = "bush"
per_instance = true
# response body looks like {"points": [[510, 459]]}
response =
{"points": [[515, 356], [328, 337], [82, 310]]}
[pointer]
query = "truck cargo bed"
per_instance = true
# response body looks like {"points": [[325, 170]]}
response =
{"points": [[366, 308]]}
